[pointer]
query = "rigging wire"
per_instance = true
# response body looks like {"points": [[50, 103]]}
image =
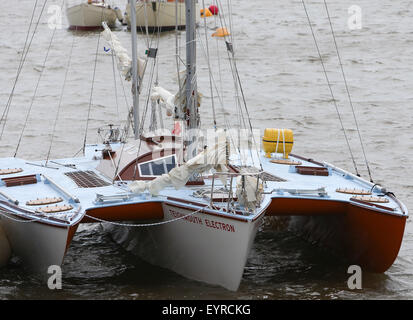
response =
{"points": [[218, 52], [227, 124], [21, 63], [60, 101], [91, 91], [115, 84], [209, 67], [35, 90], [149, 41], [348, 91], [330, 88], [231, 57], [177, 51]]}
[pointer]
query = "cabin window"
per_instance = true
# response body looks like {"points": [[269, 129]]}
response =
{"points": [[157, 167]]}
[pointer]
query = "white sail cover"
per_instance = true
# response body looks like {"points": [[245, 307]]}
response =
{"points": [[169, 101], [163, 95], [249, 191], [124, 61], [213, 157]]}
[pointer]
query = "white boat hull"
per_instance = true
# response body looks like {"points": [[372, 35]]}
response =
{"points": [[163, 17], [207, 248], [39, 245], [5, 250], [87, 16]]}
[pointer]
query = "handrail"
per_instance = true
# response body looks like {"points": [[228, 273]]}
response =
{"points": [[75, 199], [232, 175], [14, 201]]}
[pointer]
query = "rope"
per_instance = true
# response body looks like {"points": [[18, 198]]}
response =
{"points": [[348, 91], [142, 122], [330, 88], [91, 92], [128, 120], [218, 54], [18, 220], [237, 80], [127, 127], [60, 101], [177, 51], [210, 77], [36, 88], [21, 63], [147, 224], [227, 124], [116, 87]]}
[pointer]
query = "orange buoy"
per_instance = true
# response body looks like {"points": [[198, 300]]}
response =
{"points": [[221, 32], [205, 13]]}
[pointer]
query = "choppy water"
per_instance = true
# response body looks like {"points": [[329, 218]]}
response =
{"points": [[284, 87]]}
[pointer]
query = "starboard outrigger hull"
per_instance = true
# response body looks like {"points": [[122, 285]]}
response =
{"points": [[358, 235]]}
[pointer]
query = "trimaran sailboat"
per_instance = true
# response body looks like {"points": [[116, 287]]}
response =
{"points": [[194, 210]]}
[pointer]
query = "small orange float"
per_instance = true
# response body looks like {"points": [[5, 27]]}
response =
{"points": [[221, 32]]}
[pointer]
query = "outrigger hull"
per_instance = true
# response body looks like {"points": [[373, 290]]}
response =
{"points": [[360, 235], [38, 244]]}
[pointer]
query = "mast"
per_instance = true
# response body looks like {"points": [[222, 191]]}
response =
{"points": [[135, 87], [191, 84]]}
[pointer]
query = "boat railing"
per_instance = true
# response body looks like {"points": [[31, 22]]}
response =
{"points": [[233, 175]]}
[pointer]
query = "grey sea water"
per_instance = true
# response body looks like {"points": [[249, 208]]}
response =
{"points": [[284, 86]]}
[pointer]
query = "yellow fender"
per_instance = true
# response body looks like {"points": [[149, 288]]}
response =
{"points": [[277, 141]]}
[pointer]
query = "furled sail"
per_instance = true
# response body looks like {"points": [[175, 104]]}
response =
{"points": [[180, 98], [249, 191], [124, 61], [164, 96], [169, 100]]}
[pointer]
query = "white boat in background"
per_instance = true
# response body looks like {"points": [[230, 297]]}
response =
{"points": [[90, 15], [162, 15]]}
